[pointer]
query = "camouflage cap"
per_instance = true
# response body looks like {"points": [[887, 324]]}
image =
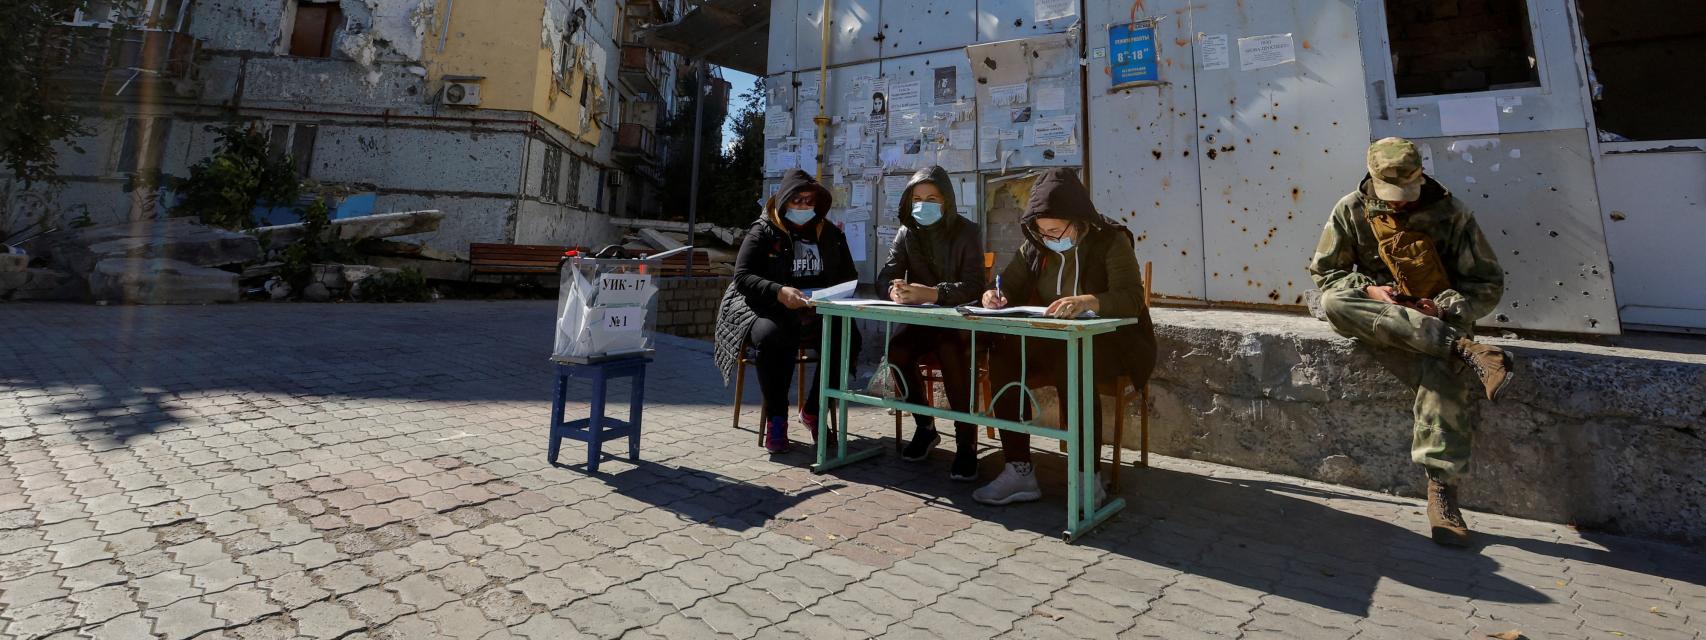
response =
{"points": [[1396, 166]]}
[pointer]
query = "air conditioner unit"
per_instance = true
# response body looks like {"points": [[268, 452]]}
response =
{"points": [[461, 91], [616, 178]]}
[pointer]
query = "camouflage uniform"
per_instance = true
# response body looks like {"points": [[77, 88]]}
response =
{"points": [[1347, 260]]}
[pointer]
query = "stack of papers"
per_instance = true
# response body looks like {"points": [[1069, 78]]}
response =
{"points": [[1015, 312], [835, 292]]}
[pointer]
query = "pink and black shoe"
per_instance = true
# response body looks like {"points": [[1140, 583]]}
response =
{"points": [[776, 434], [809, 421]]}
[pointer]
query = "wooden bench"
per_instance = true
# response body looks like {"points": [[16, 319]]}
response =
{"points": [[515, 259]]}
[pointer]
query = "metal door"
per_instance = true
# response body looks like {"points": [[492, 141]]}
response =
{"points": [[1279, 145], [1143, 146]]}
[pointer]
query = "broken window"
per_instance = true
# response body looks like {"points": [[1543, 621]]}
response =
{"points": [[1636, 47], [572, 186], [1460, 46], [551, 174], [293, 141], [316, 29]]}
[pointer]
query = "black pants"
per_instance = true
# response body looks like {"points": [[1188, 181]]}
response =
{"points": [[1045, 366], [952, 352], [778, 339]]}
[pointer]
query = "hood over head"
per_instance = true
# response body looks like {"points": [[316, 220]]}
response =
{"points": [[937, 176], [1057, 193], [795, 181]]}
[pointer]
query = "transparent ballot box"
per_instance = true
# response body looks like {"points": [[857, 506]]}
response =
{"points": [[606, 307]]}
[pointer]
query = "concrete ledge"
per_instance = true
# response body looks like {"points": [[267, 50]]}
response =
{"points": [[1605, 435]]}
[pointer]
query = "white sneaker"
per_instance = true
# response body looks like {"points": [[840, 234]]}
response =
{"points": [[1017, 483]]}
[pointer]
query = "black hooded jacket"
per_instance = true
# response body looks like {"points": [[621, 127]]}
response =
{"points": [[765, 262], [947, 255], [1109, 269]]}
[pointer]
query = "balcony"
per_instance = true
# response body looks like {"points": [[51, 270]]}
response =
{"points": [[636, 145], [89, 52], [648, 11], [641, 70]]}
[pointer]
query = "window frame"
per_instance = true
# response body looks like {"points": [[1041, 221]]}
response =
{"points": [[147, 145], [330, 30], [1389, 79], [551, 174]]}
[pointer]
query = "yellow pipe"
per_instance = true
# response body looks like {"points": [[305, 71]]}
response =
{"points": [[822, 120]]}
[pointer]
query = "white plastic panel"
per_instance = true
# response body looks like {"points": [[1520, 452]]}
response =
{"points": [[1556, 104], [1278, 145], [1655, 216], [999, 20], [1533, 195], [782, 40], [1143, 150], [852, 33], [911, 26], [1040, 63]]}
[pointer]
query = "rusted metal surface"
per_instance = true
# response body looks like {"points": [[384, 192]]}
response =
{"points": [[1042, 62], [1143, 147]]}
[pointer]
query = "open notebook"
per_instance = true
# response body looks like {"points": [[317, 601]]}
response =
{"points": [[1015, 312]]}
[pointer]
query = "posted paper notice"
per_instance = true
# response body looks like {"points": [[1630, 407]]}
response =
{"points": [[1261, 52], [1216, 53], [1468, 116]]}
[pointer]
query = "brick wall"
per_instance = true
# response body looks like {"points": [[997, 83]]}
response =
{"points": [[687, 307]]}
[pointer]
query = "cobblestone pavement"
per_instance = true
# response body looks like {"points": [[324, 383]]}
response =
{"points": [[360, 471]]}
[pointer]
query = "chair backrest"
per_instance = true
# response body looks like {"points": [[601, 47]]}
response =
{"points": [[1148, 281], [988, 266]]}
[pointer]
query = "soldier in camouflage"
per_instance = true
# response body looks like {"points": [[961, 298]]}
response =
{"points": [[1402, 265]]}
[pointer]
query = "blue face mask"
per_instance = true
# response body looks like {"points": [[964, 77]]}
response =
{"points": [[1061, 245], [927, 213], [800, 216]]}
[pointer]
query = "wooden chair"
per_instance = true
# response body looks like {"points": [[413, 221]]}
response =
{"points": [[749, 354], [1119, 394]]}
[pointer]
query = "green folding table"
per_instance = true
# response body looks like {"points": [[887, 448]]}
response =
{"points": [[1078, 397]]}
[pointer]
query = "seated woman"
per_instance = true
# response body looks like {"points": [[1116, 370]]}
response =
{"points": [[937, 258], [789, 248], [1074, 260]]}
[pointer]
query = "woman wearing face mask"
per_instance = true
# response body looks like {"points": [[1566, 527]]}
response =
{"points": [[789, 249], [1074, 260], [937, 258]]}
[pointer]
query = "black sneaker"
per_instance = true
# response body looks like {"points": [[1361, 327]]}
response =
{"points": [[923, 440], [964, 468]]}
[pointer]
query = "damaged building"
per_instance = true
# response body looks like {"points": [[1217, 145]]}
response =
{"points": [[1221, 133], [526, 121]]}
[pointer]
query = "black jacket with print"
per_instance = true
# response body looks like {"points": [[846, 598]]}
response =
{"points": [[765, 262]]}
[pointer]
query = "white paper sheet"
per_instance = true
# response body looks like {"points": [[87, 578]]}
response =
{"points": [[835, 292], [892, 188], [1468, 116], [855, 232], [786, 160], [771, 162], [859, 214], [1017, 312], [960, 139], [1216, 52], [1055, 9], [1051, 99], [808, 152], [885, 236], [904, 96], [624, 288], [861, 195], [1009, 94], [778, 122], [1261, 52], [854, 132], [1056, 130]]}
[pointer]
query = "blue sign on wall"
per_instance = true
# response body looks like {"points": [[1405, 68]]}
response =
{"points": [[1132, 54]]}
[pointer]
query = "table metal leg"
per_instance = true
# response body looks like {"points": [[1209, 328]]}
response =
{"points": [[1083, 455], [837, 372]]}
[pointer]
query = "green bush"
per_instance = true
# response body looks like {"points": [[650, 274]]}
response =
{"points": [[408, 285], [316, 246], [223, 189]]}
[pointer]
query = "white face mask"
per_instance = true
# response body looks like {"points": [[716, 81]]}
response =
{"points": [[800, 216]]}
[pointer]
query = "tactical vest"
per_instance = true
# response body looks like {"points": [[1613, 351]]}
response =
{"points": [[1410, 256]]}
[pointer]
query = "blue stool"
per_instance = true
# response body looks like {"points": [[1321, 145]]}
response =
{"points": [[597, 428]]}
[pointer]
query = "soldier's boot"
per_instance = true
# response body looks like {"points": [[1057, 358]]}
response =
{"points": [[1492, 365], [1447, 523]]}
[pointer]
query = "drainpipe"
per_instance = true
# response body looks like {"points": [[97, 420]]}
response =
{"points": [[822, 120], [698, 138]]}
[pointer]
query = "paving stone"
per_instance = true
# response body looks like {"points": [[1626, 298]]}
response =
{"points": [[184, 619], [325, 620]]}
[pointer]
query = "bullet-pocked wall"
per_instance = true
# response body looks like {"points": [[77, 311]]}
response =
{"points": [[1227, 165], [902, 94]]}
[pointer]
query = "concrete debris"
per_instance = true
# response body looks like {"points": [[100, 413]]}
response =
{"points": [[316, 292], [659, 240], [381, 225], [179, 239], [39, 284], [13, 262], [380, 247], [135, 280]]}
